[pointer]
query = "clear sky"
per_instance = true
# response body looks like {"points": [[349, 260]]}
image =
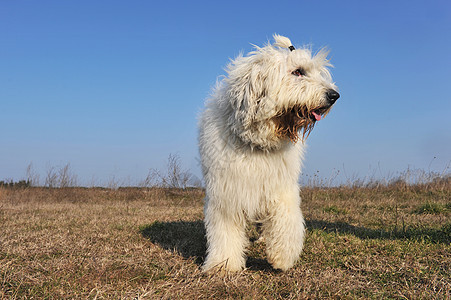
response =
{"points": [[114, 87]]}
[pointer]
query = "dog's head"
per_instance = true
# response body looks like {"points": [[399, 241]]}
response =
{"points": [[278, 92]]}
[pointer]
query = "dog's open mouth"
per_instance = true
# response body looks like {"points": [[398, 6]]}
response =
{"points": [[318, 113], [317, 116], [289, 123]]}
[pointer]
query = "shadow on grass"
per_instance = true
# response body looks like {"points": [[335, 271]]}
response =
{"points": [[259, 264], [442, 235], [186, 238]]}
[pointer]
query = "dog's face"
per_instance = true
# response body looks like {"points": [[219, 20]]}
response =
{"points": [[306, 93], [278, 92]]}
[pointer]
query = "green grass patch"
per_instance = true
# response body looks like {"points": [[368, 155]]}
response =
{"points": [[432, 208], [332, 209]]}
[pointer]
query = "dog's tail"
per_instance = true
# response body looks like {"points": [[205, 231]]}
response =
{"points": [[281, 41]]}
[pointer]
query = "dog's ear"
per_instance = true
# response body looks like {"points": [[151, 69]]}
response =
{"points": [[247, 87]]}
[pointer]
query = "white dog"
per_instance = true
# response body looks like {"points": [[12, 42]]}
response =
{"points": [[251, 144]]}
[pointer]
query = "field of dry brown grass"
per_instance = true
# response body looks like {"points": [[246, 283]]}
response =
{"points": [[362, 242]]}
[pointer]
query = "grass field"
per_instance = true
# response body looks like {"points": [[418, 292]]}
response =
{"points": [[380, 242]]}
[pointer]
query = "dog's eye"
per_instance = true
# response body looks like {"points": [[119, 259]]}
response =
{"points": [[299, 72]]}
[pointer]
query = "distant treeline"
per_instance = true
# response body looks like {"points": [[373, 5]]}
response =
{"points": [[15, 184]]}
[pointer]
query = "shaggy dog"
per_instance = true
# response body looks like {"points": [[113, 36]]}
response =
{"points": [[251, 144]]}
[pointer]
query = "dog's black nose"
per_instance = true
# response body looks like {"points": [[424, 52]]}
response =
{"points": [[332, 96]]}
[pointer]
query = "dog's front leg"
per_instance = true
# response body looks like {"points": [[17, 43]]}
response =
{"points": [[284, 231], [226, 239]]}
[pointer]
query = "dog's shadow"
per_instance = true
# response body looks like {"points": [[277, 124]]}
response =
{"points": [[409, 233], [188, 239], [184, 237]]}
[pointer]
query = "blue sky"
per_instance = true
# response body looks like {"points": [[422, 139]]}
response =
{"points": [[114, 87]]}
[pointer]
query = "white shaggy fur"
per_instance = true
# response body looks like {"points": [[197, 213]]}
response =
{"points": [[251, 153]]}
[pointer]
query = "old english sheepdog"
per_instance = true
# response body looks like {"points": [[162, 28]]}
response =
{"points": [[251, 141]]}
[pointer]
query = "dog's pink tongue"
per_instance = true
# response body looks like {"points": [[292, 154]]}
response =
{"points": [[317, 116]]}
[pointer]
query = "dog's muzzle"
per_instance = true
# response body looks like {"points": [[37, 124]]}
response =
{"points": [[332, 96]]}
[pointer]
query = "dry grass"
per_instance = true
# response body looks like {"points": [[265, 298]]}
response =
{"points": [[380, 242]]}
